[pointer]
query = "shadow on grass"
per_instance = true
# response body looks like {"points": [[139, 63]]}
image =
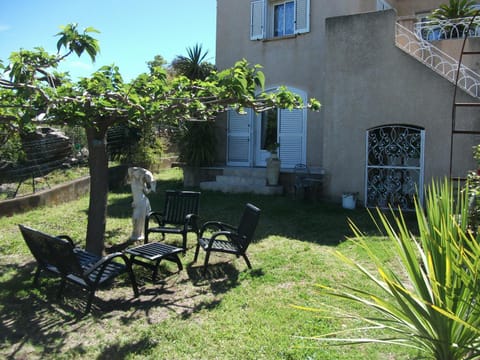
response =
{"points": [[28, 315], [139, 348], [317, 222], [34, 316]]}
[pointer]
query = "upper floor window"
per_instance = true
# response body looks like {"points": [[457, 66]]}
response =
{"points": [[277, 18], [283, 18]]}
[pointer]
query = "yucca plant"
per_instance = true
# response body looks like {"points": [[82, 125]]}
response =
{"points": [[430, 302]]}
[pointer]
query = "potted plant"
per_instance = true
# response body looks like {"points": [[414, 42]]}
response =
{"points": [[273, 165], [451, 13]]}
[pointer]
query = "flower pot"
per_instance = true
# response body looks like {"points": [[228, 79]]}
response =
{"points": [[349, 201], [273, 169], [191, 176]]}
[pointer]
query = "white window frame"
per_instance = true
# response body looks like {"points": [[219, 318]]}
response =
{"points": [[273, 7], [262, 18]]}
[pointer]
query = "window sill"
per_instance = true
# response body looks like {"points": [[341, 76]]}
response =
{"points": [[278, 38]]}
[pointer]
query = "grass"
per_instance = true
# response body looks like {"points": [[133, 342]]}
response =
{"points": [[55, 177], [233, 313]]}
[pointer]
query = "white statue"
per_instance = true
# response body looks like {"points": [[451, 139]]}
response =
{"points": [[142, 183]]}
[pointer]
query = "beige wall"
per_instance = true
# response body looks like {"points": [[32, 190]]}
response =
{"points": [[298, 62], [378, 84], [413, 7], [351, 65]]}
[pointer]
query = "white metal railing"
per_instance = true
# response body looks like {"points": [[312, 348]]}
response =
{"points": [[447, 29], [437, 60]]}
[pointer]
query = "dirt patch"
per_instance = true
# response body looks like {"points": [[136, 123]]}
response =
{"points": [[36, 324]]}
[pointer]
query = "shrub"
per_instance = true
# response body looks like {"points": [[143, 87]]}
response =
{"points": [[197, 143], [428, 301]]}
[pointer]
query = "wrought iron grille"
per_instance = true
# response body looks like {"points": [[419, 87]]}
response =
{"points": [[394, 166]]}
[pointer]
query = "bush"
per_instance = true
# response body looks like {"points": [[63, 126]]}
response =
{"points": [[12, 150], [429, 300], [197, 143], [134, 146]]}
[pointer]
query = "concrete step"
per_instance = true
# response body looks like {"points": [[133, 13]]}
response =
{"points": [[246, 172], [241, 180], [236, 188]]}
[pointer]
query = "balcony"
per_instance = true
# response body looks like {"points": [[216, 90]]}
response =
{"points": [[447, 29]]}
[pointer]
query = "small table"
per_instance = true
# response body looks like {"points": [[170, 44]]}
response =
{"points": [[155, 252]]}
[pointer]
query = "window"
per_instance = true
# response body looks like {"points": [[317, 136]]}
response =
{"points": [[283, 19], [277, 18]]}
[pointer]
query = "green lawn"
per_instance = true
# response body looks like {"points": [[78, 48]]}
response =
{"points": [[233, 313]]}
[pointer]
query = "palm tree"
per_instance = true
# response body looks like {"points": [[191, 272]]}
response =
{"points": [[455, 9], [196, 139], [194, 66]]}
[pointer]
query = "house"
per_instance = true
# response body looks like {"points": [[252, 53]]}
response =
{"points": [[385, 127]]}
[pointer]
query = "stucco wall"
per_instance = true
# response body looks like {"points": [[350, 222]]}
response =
{"points": [[413, 7], [370, 82], [298, 61]]}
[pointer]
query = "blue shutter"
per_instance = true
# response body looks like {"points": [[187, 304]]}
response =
{"points": [[257, 20], [302, 16]]}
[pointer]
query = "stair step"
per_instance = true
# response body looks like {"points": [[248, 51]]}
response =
{"points": [[240, 180], [229, 188], [246, 172]]}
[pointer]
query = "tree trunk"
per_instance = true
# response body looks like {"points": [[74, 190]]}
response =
{"points": [[97, 208]]}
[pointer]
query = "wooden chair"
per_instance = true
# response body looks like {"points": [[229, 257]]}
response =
{"points": [[59, 256], [179, 216], [227, 238]]}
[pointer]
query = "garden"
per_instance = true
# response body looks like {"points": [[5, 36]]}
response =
{"points": [[233, 312], [384, 285]]}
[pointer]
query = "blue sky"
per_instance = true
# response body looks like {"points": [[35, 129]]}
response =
{"points": [[131, 32]]}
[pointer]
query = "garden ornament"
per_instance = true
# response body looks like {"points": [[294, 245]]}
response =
{"points": [[142, 184]]}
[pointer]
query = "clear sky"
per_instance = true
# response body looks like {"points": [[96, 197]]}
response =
{"points": [[131, 32]]}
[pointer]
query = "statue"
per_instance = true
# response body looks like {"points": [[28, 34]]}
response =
{"points": [[142, 184]]}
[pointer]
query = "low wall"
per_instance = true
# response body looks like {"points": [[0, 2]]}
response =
{"points": [[56, 195], [59, 194]]}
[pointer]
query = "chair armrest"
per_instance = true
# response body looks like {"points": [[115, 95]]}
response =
{"points": [[104, 262], [192, 221], [68, 238], [157, 216], [216, 225], [229, 235]]}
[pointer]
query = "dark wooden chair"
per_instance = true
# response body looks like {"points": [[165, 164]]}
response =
{"points": [[179, 216], [228, 238], [59, 256]]}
